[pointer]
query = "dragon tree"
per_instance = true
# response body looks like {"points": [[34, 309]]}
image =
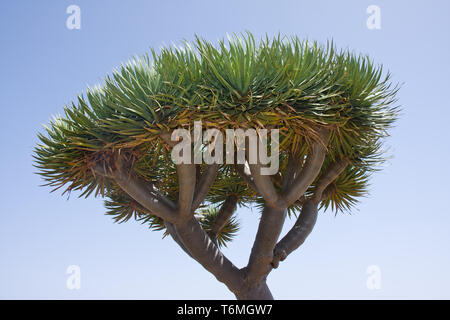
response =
{"points": [[332, 109]]}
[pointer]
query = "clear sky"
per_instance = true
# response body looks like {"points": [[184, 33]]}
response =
{"points": [[402, 227]]}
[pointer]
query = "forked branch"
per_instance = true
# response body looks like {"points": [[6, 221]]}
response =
{"points": [[204, 184], [308, 215], [140, 190], [186, 188], [240, 169], [310, 169]]}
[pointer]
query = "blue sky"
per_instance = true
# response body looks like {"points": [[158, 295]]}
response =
{"points": [[402, 226]]}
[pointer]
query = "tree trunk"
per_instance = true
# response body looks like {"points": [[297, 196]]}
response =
{"points": [[259, 292]]}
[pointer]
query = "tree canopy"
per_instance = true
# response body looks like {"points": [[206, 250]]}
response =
{"points": [[299, 87]]}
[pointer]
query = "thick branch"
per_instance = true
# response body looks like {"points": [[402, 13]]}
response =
{"points": [[258, 292], [297, 235], [171, 230], [261, 256], [204, 251], [291, 171], [308, 216], [176, 237], [224, 214], [269, 228], [310, 170], [265, 186], [240, 169], [186, 182], [204, 184], [141, 191]]}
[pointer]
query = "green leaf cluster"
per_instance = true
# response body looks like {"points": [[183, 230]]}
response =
{"points": [[280, 82]]}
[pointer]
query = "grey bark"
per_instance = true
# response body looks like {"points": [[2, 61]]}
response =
{"points": [[261, 256], [308, 215], [176, 237], [204, 251], [257, 292], [247, 178], [186, 182], [265, 186], [308, 173], [140, 191], [206, 181], [298, 233]]}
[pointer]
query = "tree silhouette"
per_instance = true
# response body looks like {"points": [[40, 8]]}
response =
{"points": [[332, 109]]}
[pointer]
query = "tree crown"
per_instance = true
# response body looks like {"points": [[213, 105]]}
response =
{"points": [[296, 86]]}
